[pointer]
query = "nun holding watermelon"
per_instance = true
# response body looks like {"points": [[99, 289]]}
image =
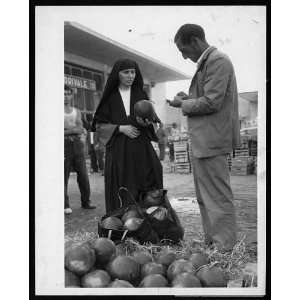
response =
{"points": [[124, 120]]}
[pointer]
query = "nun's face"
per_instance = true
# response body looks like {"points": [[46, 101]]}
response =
{"points": [[127, 77]]}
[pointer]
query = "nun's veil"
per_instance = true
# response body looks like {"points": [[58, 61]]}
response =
{"points": [[113, 83]]}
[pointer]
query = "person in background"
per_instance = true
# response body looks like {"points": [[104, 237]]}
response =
{"points": [[213, 124], [91, 150], [173, 134], [174, 130], [162, 140], [130, 160], [74, 151], [100, 152]]}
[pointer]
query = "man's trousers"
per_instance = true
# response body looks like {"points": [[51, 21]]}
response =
{"points": [[215, 199], [93, 158], [162, 150], [74, 156]]}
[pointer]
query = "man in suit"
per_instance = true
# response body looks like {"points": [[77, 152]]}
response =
{"points": [[213, 124]]}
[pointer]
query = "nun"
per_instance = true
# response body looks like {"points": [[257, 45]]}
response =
{"points": [[130, 160]]}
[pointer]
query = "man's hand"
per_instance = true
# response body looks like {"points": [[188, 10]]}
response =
{"points": [[177, 101], [143, 122], [182, 94], [129, 130]]}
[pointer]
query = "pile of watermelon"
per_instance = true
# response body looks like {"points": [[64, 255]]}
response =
{"points": [[100, 263]]}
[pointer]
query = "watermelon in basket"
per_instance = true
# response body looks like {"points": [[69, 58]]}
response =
{"points": [[162, 216], [127, 221]]}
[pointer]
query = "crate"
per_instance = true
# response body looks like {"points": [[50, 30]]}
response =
{"points": [[253, 148], [255, 166], [253, 152], [181, 157], [180, 146], [241, 152], [241, 171], [242, 165], [183, 167], [241, 160]]}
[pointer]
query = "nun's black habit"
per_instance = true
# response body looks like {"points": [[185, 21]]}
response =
{"points": [[129, 162]]}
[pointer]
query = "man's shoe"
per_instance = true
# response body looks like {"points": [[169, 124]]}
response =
{"points": [[88, 206], [68, 211]]}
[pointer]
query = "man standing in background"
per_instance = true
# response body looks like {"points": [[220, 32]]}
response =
{"points": [[162, 140], [213, 124], [100, 152], [91, 150], [74, 152], [174, 133]]}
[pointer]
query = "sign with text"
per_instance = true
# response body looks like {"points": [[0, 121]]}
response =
{"points": [[79, 82]]}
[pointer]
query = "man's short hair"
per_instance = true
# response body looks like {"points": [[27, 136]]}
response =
{"points": [[68, 89], [187, 31]]}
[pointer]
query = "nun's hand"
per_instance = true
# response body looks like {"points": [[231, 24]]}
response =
{"points": [[143, 122], [129, 130]]}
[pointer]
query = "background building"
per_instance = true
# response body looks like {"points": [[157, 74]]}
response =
{"points": [[248, 109], [88, 59]]}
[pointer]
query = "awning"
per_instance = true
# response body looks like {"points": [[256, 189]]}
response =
{"points": [[251, 131], [249, 96], [84, 42]]}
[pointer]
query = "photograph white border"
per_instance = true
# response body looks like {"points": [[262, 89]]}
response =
{"points": [[49, 217]]}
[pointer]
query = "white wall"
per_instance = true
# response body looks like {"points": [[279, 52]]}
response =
{"points": [[244, 108], [167, 114], [253, 110], [247, 112], [173, 115], [158, 95]]}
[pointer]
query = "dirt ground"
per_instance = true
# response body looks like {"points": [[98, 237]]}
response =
{"points": [[182, 196]]}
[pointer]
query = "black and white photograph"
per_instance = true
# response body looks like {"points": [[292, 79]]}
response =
{"points": [[150, 150]]}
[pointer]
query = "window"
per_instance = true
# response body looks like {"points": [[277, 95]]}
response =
{"points": [[79, 99], [99, 81], [67, 70], [89, 100], [87, 74], [86, 100], [97, 97], [76, 72]]}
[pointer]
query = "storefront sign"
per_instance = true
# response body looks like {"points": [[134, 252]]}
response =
{"points": [[81, 83]]}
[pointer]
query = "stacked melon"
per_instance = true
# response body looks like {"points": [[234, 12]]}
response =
{"points": [[100, 263]]}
